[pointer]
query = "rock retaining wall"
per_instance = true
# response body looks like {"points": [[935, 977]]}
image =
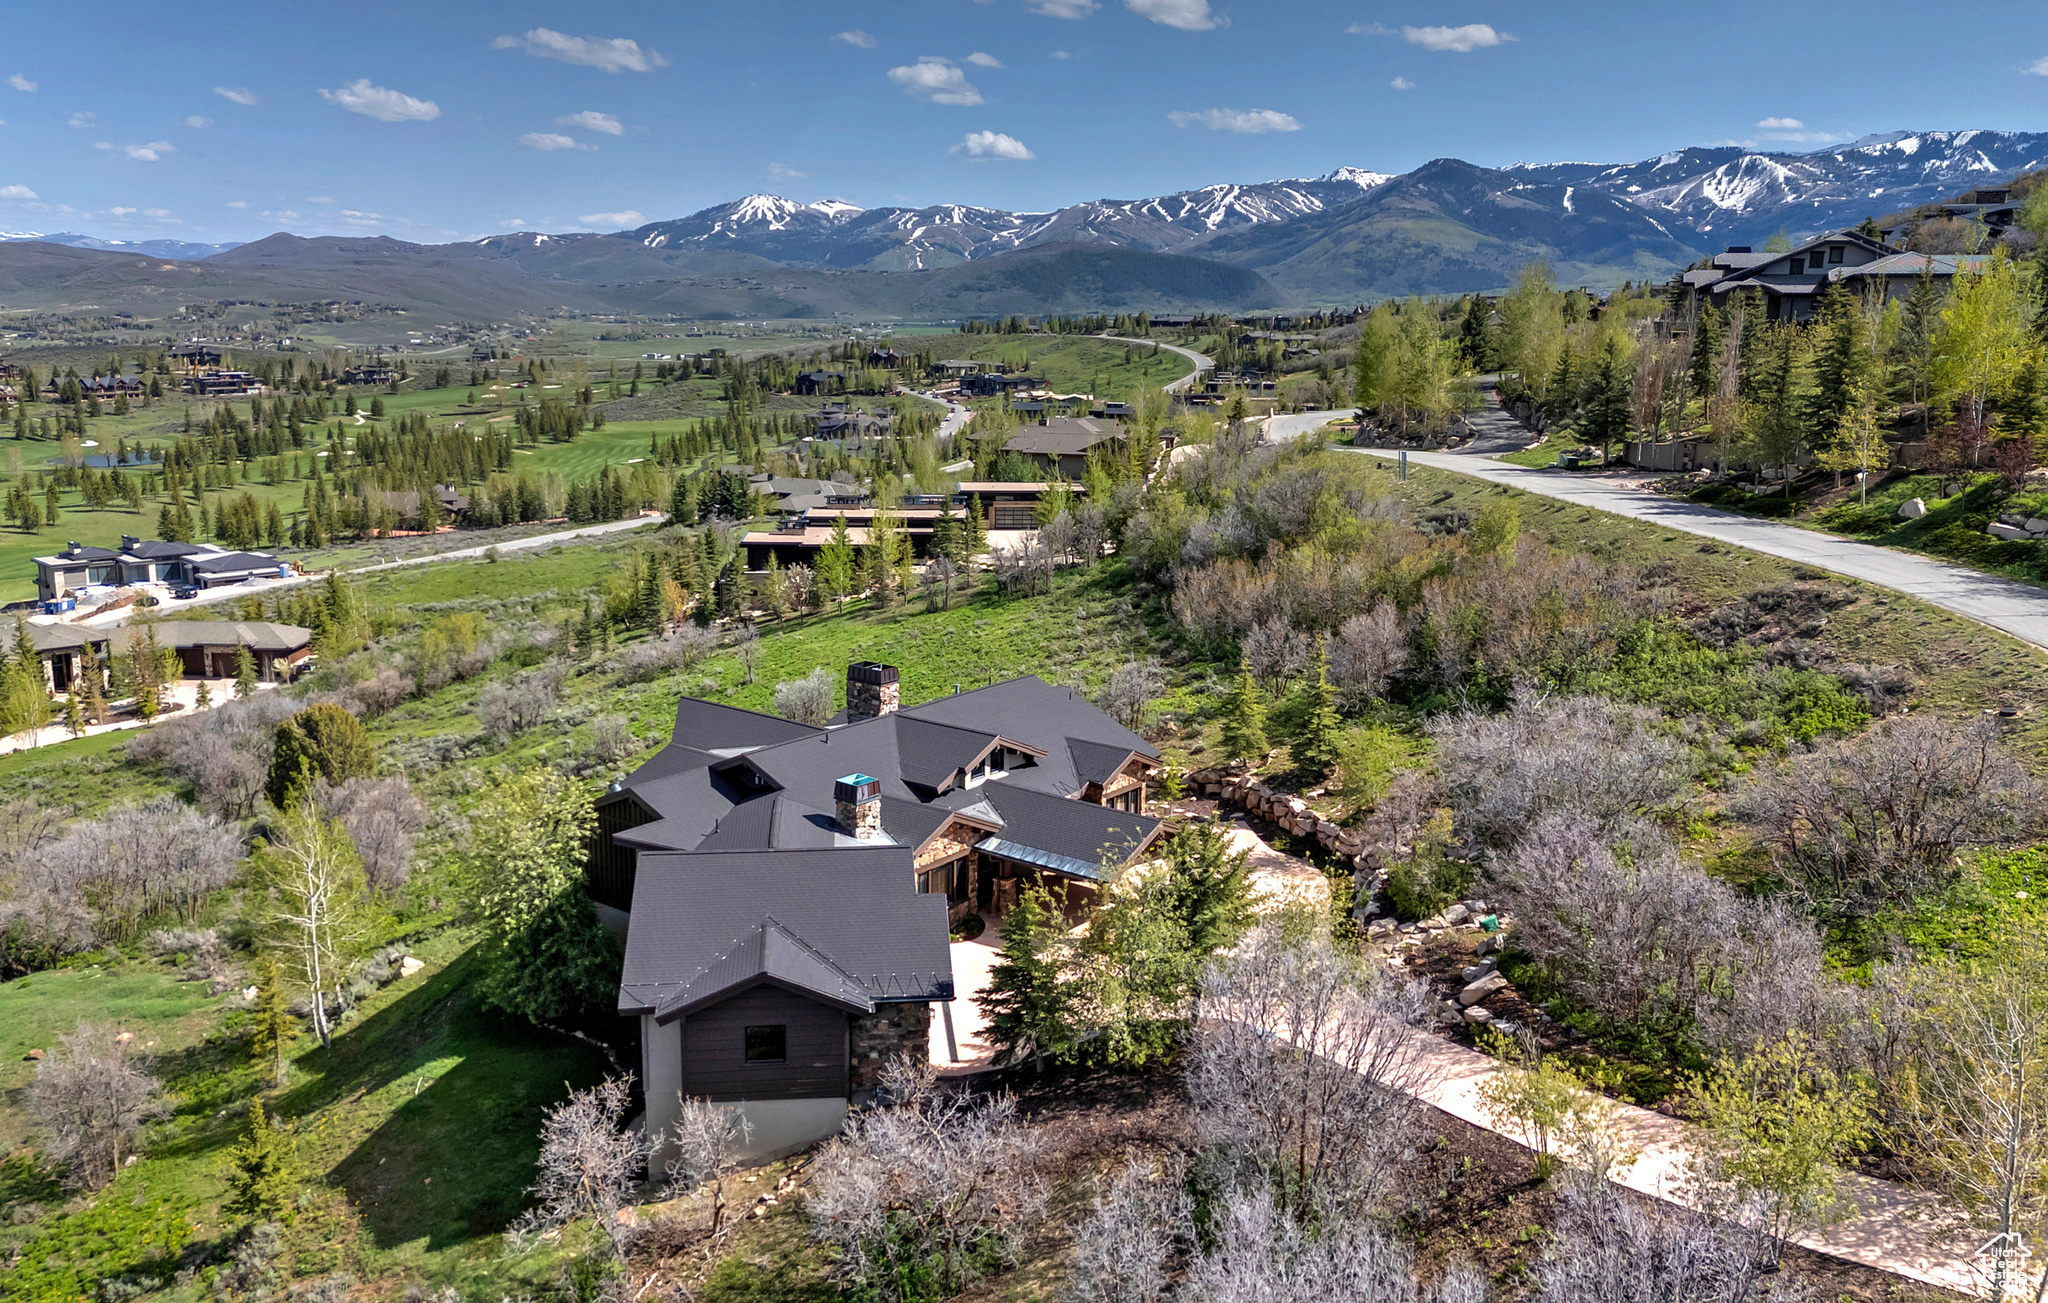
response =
{"points": [[1291, 813]]}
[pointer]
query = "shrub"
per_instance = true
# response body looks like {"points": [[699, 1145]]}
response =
{"points": [[511, 707], [380, 815], [322, 741], [807, 700], [1426, 885], [589, 1163], [672, 653], [1877, 819], [224, 753], [91, 1100]]}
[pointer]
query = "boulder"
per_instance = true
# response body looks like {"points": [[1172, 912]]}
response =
{"points": [[1912, 509], [1494, 944], [1477, 1014], [1479, 970], [1378, 928], [410, 965], [2037, 525], [1474, 992], [1950, 489], [1455, 915], [2012, 518], [2010, 533], [34, 1054]]}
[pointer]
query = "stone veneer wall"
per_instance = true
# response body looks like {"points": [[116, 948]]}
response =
{"points": [[871, 700], [892, 1029]]}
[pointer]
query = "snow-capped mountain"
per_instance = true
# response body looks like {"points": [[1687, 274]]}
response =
{"points": [[181, 249], [835, 234], [1729, 194]]}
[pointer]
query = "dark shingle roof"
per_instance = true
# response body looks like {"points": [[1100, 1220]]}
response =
{"points": [[856, 906], [1073, 837], [769, 952], [256, 634], [1096, 762]]}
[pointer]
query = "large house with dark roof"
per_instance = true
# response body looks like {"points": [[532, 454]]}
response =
{"points": [[147, 561], [785, 890], [1790, 281]]}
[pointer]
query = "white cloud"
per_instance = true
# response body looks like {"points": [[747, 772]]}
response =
{"points": [[156, 212], [150, 153], [196, 122], [1061, 54], [80, 121], [937, 80], [1782, 124], [549, 141], [981, 145], [980, 60], [236, 93], [1402, 83], [2038, 68], [381, 102], [1062, 8], [281, 214], [1456, 40], [614, 220], [319, 199], [1369, 29], [1187, 15], [607, 54], [21, 83], [857, 38], [1245, 122], [238, 203], [16, 192], [592, 120], [121, 212], [783, 172]]}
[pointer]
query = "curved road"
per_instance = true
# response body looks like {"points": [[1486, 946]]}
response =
{"points": [[1203, 362], [2005, 604]]}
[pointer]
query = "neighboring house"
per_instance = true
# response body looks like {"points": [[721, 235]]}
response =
{"points": [[1789, 282], [797, 497], [141, 561], [1061, 444], [785, 890], [956, 367], [984, 384], [1007, 505], [218, 384], [196, 357], [839, 421], [369, 373], [887, 359], [206, 647], [813, 383]]}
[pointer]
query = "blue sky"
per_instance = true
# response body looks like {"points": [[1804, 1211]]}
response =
{"points": [[451, 120]]}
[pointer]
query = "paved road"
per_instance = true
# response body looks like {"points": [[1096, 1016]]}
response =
{"points": [[259, 587], [1203, 362], [2005, 604], [1493, 430], [1284, 429]]}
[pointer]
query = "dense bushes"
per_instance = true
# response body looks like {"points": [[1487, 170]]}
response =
{"points": [[323, 742]]}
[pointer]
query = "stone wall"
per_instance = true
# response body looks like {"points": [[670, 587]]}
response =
{"points": [[1290, 812], [890, 1030]]}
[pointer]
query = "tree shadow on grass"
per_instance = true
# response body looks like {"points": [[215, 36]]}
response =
{"points": [[453, 1146]]}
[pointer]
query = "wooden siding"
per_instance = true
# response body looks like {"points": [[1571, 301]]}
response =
{"points": [[714, 1048], [612, 866]]}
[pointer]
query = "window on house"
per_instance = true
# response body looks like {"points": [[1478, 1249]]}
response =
{"points": [[768, 1044], [1834, 253], [1799, 266]]}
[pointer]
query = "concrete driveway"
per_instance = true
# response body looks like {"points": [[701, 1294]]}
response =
{"points": [[2005, 604]]}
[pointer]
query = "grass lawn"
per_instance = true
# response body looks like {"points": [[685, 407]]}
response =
{"points": [[423, 1119]]}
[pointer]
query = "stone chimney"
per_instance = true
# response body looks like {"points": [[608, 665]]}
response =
{"points": [[857, 800], [871, 691]]}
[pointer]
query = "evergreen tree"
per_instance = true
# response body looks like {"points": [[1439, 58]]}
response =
{"points": [[1243, 716], [976, 540], [91, 684], [245, 673], [265, 1175], [1844, 361], [1475, 334], [836, 562], [1025, 1002], [1322, 728], [1710, 332], [1610, 388], [273, 1027], [1209, 888]]}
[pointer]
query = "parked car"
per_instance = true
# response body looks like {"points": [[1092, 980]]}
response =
{"points": [[185, 591]]}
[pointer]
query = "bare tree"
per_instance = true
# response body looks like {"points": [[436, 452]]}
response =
{"points": [[1276, 650], [1304, 1067], [589, 1163], [807, 700], [1981, 1125], [939, 1180], [612, 740], [92, 1099], [1878, 818], [1369, 651], [746, 644], [224, 753], [384, 690], [1264, 1255], [380, 816], [312, 882], [508, 708], [1130, 691], [1610, 1246], [1124, 1250], [676, 650], [1061, 536], [1586, 756], [698, 1150]]}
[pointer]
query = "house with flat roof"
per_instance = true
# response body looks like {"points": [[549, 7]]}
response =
{"points": [[785, 889], [206, 648], [144, 561]]}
